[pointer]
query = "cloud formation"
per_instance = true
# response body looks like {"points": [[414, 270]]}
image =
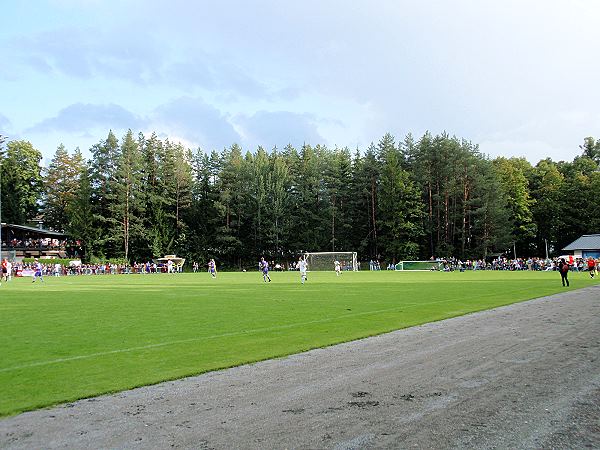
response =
{"points": [[196, 121], [83, 118], [266, 73], [278, 128], [4, 124]]}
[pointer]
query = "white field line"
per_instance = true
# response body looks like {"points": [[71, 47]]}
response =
{"points": [[215, 336]]}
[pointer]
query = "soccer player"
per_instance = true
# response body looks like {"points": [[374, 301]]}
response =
{"points": [[591, 263], [264, 266], [303, 267], [4, 270], [338, 267], [37, 266], [212, 268]]}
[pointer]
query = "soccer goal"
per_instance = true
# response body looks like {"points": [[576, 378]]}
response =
{"points": [[326, 260], [418, 265]]}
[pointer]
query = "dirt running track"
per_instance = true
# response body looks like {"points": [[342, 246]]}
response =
{"points": [[521, 376]]}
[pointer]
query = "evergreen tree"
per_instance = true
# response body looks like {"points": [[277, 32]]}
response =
{"points": [[547, 185], [103, 166], [157, 228], [515, 187], [202, 216], [81, 226], [400, 207], [126, 202], [337, 174], [61, 184], [278, 192], [231, 204], [490, 214]]}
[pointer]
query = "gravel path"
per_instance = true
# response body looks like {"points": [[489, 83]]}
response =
{"points": [[522, 376]]}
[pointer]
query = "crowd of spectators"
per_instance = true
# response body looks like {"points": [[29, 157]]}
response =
{"points": [[37, 243], [503, 263], [56, 269], [447, 265]]}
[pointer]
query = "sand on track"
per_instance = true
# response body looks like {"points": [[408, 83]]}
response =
{"points": [[520, 376]]}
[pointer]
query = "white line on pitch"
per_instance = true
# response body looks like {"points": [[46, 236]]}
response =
{"points": [[238, 333]]}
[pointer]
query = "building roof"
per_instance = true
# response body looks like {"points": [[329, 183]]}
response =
{"points": [[585, 242], [39, 231]]}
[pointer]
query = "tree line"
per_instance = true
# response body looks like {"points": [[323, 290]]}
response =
{"points": [[140, 197]]}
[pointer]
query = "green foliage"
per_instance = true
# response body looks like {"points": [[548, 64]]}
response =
{"points": [[400, 208], [144, 197], [514, 186], [22, 184]]}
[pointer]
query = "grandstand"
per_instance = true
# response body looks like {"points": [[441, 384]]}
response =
{"points": [[21, 241]]}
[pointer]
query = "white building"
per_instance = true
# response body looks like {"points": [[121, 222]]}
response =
{"points": [[586, 246]]}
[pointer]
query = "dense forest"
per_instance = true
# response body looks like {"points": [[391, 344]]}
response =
{"points": [[140, 197]]}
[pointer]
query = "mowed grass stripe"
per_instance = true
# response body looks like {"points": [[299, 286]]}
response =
{"points": [[77, 337], [216, 336]]}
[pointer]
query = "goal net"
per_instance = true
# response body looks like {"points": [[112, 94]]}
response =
{"points": [[418, 265], [326, 260]]}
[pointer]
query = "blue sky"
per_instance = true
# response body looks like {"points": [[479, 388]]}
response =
{"points": [[517, 77]]}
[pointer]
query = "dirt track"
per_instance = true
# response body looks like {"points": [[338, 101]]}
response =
{"points": [[521, 376]]}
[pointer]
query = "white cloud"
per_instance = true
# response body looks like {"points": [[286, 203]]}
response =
{"points": [[277, 129], [82, 119]]}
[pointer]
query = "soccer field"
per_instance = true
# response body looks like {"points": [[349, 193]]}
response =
{"points": [[76, 337]]}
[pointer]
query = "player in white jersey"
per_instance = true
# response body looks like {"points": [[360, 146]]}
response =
{"points": [[338, 268], [303, 267], [264, 267], [37, 266], [212, 268]]}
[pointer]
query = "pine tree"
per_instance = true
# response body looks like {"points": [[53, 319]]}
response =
{"points": [[61, 183], [400, 207], [127, 206], [81, 226], [103, 168], [515, 187]]}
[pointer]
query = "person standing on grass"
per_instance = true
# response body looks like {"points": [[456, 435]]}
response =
{"points": [[37, 266], [591, 263], [303, 267], [212, 268], [264, 266], [563, 267], [4, 270], [338, 268]]}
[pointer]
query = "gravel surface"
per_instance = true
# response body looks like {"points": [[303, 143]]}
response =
{"points": [[521, 376]]}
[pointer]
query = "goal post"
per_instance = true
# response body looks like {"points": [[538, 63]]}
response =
{"points": [[322, 261], [418, 265]]}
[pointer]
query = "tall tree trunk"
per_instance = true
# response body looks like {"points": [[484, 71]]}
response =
{"points": [[430, 192], [373, 215], [333, 224]]}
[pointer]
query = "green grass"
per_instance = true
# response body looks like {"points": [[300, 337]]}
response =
{"points": [[76, 337]]}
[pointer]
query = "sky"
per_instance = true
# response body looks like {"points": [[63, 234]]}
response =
{"points": [[517, 77]]}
